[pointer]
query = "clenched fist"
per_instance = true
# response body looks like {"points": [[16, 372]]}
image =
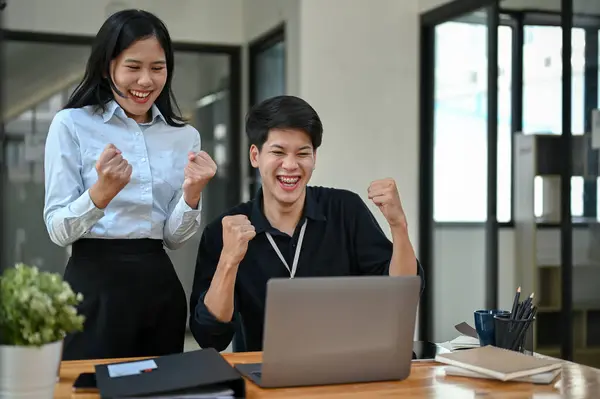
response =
{"points": [[237, 232], [384, 194], [198, 172], [114, 173]]}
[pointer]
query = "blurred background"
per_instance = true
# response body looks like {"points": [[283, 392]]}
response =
{"points": [[484, 111]]}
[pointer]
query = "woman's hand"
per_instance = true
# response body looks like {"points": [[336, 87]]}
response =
{"points": [[114, 173]]}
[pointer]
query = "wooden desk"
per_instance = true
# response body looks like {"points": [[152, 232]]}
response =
{"points": [[427, 380]]}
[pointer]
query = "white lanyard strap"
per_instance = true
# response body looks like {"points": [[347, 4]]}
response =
{"points": [[296, 255]]}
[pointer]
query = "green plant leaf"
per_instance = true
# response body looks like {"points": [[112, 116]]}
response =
{"points": [[36, 308]]}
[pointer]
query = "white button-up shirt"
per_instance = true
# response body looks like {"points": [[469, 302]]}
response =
{"points": [[151, 205]]}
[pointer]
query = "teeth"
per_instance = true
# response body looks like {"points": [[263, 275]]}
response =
{"points": [[289, 180], [139, 93]]}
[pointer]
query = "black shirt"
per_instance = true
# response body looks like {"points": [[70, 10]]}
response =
{"points": [[342, 238]]}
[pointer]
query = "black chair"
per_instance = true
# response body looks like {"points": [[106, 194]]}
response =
{"points": [[239, 337]]}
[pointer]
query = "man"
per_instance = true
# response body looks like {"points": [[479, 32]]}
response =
{"points": [[289, 230]]}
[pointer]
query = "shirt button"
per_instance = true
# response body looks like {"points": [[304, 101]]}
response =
{"points": [[143, 159]]}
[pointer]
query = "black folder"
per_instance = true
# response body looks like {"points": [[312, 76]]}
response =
{"points": [[201, 371]]}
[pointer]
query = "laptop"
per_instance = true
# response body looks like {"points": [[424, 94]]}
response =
{"points": [[336, 330]]}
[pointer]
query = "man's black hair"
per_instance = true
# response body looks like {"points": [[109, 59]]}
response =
{"points": [[283, 112]]}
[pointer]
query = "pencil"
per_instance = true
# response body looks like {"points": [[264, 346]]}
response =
{"points": [[513, 312], [523, 327], [525, 306]]}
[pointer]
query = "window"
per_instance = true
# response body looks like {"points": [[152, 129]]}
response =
{"points": [[460, 124], [542, 95], [269, 76], [460, 121]]}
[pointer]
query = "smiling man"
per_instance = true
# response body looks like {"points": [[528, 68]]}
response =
{"points": [[289, 230]]}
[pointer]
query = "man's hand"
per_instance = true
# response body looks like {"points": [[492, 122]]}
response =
{"points": [[198, 172], [384, 194], [237, 232], [114, 173]]}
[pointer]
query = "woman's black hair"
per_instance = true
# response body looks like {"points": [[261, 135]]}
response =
{"points": [[118, 32]]}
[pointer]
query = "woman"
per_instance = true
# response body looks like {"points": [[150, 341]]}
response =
{"points": [[124, 177]]}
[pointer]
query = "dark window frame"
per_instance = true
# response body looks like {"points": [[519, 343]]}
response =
{"points": [[256, 47]]}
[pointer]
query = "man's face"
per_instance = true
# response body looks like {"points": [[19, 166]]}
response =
{"points": [[285, 162]]}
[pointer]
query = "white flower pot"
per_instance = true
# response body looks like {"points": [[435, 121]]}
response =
{"points": [[29, 372]]}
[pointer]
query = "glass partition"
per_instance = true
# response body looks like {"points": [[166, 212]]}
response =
{"points": [[547, 205], [465, 121], [39, 77]]}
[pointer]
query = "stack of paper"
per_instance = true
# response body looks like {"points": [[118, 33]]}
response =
{"points": [[541, 378], [500, 364]]}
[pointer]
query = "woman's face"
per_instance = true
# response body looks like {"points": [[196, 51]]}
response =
{"points": [[140, 73]]}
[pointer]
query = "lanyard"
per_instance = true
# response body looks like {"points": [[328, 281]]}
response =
{"points": [[296, 255]]}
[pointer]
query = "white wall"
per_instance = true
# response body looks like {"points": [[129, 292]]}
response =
{"points": [[459, 284], [206, 21], [360, 75]]}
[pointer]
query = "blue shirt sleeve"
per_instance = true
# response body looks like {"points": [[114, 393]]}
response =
{"points": [[182, 221], [68, 209]]}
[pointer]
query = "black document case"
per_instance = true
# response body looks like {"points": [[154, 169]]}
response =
{"points": [[177, 374]]}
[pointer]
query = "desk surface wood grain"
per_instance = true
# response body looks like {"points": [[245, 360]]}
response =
{"points": [[427, 380]]}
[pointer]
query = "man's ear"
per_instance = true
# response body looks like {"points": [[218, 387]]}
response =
{"points": [[254, 152]]}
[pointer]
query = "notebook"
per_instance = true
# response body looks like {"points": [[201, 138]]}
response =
{"points": [[541, 378], [464, 342], [501, 364]]}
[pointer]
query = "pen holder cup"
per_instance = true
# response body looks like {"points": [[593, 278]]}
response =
{"points": [[515, 335]]}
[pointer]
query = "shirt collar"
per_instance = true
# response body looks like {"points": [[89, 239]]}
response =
{"points": [[312, 210], [113, 107]]}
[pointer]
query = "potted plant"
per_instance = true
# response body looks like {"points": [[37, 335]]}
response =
{"points": [[37, 310]]}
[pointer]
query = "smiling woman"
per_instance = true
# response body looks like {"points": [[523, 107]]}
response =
{"points": [[124, 176], [139, 74]]}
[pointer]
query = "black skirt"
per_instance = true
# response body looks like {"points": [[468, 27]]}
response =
{"points": [[134, 303]]}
